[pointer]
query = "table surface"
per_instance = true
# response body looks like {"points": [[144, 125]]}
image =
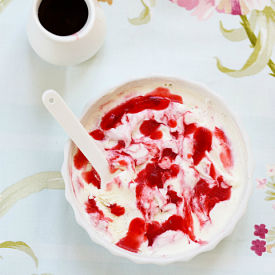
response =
{"points": [[174, 43]]}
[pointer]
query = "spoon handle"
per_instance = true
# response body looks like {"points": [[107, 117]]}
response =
{"points": [[75, 130]]}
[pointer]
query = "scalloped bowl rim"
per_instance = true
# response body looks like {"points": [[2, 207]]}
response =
{"points": [[160, 260]]}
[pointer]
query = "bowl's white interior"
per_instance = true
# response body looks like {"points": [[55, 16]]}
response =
{"points": [[187, 89]]}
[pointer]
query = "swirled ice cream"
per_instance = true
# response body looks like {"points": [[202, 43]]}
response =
{"points": [[177, 172]]}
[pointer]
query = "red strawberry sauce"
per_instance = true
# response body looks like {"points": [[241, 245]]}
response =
{"points": [[201, 199]]}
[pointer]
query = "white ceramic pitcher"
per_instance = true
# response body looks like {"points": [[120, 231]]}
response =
{"points": [[71, 49]]}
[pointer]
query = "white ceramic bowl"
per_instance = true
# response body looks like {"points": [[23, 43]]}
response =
{"points": [[185, 256]]}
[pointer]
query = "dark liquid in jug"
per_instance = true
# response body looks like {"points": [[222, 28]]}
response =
{"points": [[63, 17]]}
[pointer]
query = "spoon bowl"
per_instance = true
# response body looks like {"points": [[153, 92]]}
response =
{"points": [[75, 130]]}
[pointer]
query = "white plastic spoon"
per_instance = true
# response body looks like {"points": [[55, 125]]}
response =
{"points": [[79, 135]]}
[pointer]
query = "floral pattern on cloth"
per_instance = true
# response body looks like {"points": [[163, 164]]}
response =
{"points": [[266, 237], [258, 28], [204, 8], [20, 190], [262, 19]]}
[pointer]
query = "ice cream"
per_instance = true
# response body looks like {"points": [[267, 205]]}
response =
{"points": [[178, 171]]}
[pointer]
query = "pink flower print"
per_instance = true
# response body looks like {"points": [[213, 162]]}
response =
{"points": [[273, 206], [236, 7], [260, 230], [204, 8], [188, 4], [258, 247], [261, 183], [271, 170], [201, 8]]}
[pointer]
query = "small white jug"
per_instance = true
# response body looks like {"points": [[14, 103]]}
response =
{"points": [[71, 49]]}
